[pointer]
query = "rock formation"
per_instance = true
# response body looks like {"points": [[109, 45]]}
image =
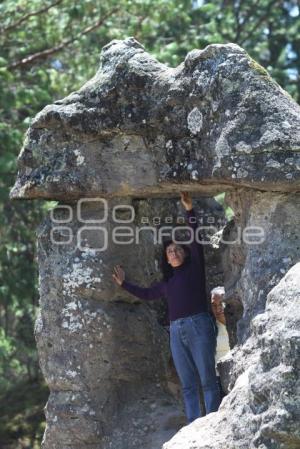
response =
{"points": [[138, 132], [262, 409]]}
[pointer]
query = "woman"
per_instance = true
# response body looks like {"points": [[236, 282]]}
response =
{"points": [[192, 334]]}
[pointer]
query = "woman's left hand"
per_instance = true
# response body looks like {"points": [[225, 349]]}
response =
{"points": [[186, 200]]}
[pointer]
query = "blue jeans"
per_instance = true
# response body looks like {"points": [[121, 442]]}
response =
{"points": [[193, 342]]}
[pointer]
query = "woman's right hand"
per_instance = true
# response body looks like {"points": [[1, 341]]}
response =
{"points": [[186, 200], [118, 275]]}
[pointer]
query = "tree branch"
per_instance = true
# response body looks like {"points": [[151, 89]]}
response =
{"points": [[138, 27], [27, 16], [246, 19], [44, 54], [236, 13], [262, 19]]}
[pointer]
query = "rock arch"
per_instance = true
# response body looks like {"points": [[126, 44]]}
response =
{"points": [[141, 130]]}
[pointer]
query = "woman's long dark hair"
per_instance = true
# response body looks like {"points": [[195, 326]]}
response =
{"points": [[166, 268]]}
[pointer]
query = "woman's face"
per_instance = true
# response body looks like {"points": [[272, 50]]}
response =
{"points": [[175, 254]]}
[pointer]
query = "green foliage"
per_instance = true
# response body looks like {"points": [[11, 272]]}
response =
{"points": [[220, 198], [30, 78], [22, 419]]}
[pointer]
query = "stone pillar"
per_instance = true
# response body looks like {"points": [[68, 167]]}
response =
{"points": [[265, 245], [101, 351]]}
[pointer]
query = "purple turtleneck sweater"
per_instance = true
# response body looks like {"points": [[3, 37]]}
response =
{"points": [[185, 290]]}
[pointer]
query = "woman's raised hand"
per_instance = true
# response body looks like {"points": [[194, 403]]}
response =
{"points": [[118, 274], [186, 200]]}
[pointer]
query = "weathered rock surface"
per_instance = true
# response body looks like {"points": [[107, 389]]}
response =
{"points": [[138, 131], [138, 125], [265, 244], [104, 354], [262, 410]]}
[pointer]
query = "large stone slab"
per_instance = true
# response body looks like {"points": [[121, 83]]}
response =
{"points": [[139, 127]]}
